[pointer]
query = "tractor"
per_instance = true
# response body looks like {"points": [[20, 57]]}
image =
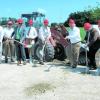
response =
{"points": [[59, 32], [49, 49], [55, 47]]}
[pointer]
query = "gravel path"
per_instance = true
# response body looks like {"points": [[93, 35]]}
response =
{"points": [[47, 82]]}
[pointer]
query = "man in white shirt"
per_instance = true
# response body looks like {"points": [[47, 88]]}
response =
{"points": [[31, 35], [9, 44], [44, 36], [74, 46], [1, 38]]}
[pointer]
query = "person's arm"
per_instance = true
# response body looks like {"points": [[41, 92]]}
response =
{"points": [[35, 34], [41, 34], [23, 35], [1, 35], [49, 34], [94, 38], [13, 34]]}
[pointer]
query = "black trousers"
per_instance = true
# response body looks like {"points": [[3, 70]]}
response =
{"points": [[20, 52], [92, 51]]}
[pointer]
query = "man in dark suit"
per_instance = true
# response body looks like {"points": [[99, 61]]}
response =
{"points": [[93, 42], [19, 34]]}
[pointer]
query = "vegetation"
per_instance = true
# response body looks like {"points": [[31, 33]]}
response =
{"points": [[82, 33], [91, 15], [3, 20]]}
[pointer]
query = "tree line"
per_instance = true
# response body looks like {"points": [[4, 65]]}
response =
{"points": [[91, 15]]}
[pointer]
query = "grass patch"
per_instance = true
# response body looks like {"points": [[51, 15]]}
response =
{"points": [[82, 33]]}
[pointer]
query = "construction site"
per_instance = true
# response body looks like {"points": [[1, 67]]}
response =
{"points": [[57, 60]]}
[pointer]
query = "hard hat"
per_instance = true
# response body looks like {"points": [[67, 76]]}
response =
{"points": [[71, 21], [87, 26], [20, 21], [46, 22], [9, 22], [30, 22]]}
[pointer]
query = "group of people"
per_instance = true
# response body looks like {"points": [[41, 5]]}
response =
{"points": [[15, 39], [92, 40]]}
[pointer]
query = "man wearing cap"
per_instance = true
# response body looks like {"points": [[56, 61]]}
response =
{"points": [[93, 42], [9, 44], [44, 36], [1, 38], [19, 35], [74, 45], [31, 35]]}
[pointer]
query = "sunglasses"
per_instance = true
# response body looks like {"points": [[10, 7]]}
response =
{"points": [[19, 23], [9, 24]]}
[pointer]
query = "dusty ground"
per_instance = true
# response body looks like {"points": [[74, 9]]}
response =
{"points": [[53, 81]]}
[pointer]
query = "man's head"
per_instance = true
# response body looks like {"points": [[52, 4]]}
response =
{"points": [[87, 26], [98, 22], [30, 22], [20, 21], [9, 24], [71, 23], [45, 22]]}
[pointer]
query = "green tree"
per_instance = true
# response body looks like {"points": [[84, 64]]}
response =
{"points": [[90, 15]]}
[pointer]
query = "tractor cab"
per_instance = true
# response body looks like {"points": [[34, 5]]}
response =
{"points": [[36, 17]]}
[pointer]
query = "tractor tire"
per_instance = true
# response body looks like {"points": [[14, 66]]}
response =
{"points": [[48, 52], [82, 57], [36, 51], [82, 60], [60, 52]]}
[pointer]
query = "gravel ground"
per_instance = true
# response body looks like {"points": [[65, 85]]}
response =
{"points": [[52, 81]]}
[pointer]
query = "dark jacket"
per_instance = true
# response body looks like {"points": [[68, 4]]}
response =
{"points": [[22, 33], [93, 37]]}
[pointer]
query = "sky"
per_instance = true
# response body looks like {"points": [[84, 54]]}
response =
{"points": [[55, 10]]}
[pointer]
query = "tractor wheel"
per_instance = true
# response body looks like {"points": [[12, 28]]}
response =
{"points": [[82, 60], [36, 51], [48, 52], [82, 57], [60, 52]]}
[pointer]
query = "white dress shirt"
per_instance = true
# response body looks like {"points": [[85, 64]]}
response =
{"points": [[74, 35], [97, 28], [8, 32], [44, 33], [31, 34], [1, 33]]}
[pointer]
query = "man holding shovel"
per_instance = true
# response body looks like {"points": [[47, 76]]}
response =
{"points": [[44, 36], [31, 35], [73, 48], [19, 36], [93, 42]]}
